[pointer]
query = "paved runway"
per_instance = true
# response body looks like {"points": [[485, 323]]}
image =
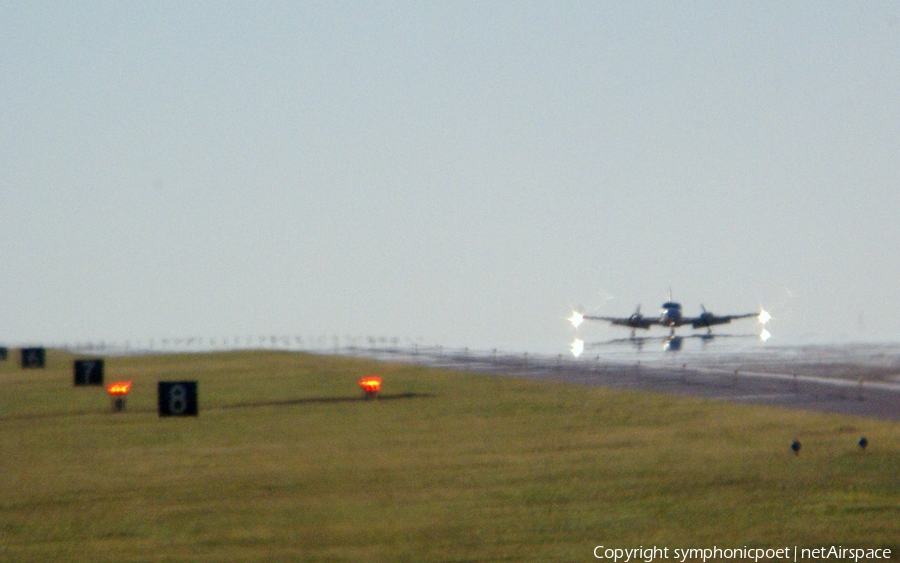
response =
{"points": [[816, 380]]}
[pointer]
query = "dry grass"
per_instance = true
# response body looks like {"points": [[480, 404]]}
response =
{"points": [[287, 463]]}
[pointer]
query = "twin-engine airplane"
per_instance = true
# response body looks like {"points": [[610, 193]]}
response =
{"points": [[671, 317]]}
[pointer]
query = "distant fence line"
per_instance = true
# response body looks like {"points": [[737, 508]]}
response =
{"points": [[221, 343]]}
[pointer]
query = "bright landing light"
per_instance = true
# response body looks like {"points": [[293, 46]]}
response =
{"points": [[577, 347], [576, 319], [765, 335], [764, 316]]}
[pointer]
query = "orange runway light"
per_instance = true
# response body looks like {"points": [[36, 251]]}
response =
{"points": [[117, 392], [371, 384], [119, 388]]}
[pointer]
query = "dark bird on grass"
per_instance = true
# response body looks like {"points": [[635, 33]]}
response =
{"points": [[795, 447], [863, 443]]}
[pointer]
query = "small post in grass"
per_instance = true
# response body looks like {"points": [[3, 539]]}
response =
{"points": [[371, 385], [118, 391]]}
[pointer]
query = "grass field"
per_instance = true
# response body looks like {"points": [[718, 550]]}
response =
{"points": [[286, 462]]}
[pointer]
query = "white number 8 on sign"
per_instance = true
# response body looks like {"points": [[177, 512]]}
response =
{"points": [[178, 399]]}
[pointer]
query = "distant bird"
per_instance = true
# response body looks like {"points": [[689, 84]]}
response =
{"points": [[795, 447], [863, 443]]}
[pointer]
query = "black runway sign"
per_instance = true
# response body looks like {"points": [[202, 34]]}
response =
{"points": [[178, 398], [88, 372], [33, 358]]}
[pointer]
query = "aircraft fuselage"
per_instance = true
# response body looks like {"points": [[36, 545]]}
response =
{"points": [[670, 314]]}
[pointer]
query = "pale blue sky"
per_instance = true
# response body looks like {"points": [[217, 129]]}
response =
{"points": [[454, 173]]}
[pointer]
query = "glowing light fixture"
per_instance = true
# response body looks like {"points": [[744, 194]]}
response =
{"points": [[371, 385], [764, 316], [118, 391], [765, 335], [119, 388], [576, 319]]}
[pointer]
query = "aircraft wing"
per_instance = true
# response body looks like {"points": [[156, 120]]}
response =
{"points": [[706, 320], [634, 321]]}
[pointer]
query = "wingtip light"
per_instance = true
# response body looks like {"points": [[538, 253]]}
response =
{"points": [[576, 319]]}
